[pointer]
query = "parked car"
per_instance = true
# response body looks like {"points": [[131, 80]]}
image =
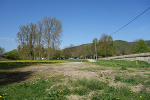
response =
{"points": [[70, 58]]}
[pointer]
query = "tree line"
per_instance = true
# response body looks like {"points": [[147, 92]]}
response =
{"points": [[39, 39], [42, 40], [103, 47]]}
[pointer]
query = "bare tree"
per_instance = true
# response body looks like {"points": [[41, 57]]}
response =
{"points": [[52, 32], [39, 36], [32, 37], [2, 51], [21, 37]]}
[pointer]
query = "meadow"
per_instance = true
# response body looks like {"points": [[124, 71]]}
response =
{"points": [[74, 80]]}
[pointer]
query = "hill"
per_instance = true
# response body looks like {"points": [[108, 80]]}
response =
{"points": [[88, 50], [124, 47]]}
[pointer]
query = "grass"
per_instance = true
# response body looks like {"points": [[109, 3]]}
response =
{"points": [[77, 60], [34, 90], [123, 68], [49, 90], [3, 59], [93, 69], [80, 91], [59, 92], [92, 84], [134, 80], [6, 65], [60, 86], [123, 63], [120, 93], [128, 80]]}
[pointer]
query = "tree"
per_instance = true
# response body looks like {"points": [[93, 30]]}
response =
{"points": [[94, 47], [40, 37], [32, 38], [14, 55], [2, 51], [21, 38], [52, 32], [106, 46], [141, 46]]}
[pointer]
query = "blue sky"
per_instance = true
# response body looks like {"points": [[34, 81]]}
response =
{"points": [[82, 20]]}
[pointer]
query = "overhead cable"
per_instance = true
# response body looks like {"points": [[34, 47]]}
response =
{"points": [[131, 21]]}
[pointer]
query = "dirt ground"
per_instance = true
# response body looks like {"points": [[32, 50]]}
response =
{"points": [[88, 70], [70, 68], [81, 70]]}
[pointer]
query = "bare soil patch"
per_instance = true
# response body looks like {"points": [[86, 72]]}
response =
{"points": [[77, 70]]}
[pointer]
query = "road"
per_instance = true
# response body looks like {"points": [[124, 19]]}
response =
{"points": [[91, 60]]}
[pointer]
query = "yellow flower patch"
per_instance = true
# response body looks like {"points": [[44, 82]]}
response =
{"points": [[61, 91]]}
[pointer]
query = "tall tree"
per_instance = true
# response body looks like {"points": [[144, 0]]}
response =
{"points": [[2, 51], [57, 34], [39, 37], [21, 38], [52, 32], [106, 46], [141, 46], [32, 37], [94, 47]]}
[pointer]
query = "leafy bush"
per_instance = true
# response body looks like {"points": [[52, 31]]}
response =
{"points": [[141, 46], [14, 55]]}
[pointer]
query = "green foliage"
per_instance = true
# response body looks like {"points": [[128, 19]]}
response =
{"points": [[77, 60], [112, 93], [14, 55], [133, 79], [141, 46], [81, 90], [35, 90], [3, 59], [146, 83], [123, 68], [106, 46], [92, 84], [95, 84], [58, 93], [124, 47], [49, 90], [2, 51], [56, 78]]}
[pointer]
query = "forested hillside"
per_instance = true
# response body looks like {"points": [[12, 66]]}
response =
{"points": [[122, 47]]}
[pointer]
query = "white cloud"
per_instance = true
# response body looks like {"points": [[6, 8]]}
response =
{"points": [[6, 38]]}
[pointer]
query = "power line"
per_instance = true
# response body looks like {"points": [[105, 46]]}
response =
{"points": [[131, 21]]}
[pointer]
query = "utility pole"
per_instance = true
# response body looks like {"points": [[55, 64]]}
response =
{"points": [[95, 49]]}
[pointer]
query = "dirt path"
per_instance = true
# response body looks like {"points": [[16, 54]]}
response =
{"points": [[91, 60]]}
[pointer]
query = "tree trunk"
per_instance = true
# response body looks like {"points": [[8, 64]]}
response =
{"points": [[39, 55], [34, 54]]}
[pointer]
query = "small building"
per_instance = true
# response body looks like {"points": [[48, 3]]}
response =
{"points": [[88, 56]]}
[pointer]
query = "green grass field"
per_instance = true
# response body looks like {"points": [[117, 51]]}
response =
{"points": [[60, 86], [123, 63]]}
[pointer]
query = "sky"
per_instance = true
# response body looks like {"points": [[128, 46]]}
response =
{"points": [[82, 20]]}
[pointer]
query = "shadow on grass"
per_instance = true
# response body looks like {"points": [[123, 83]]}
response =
{"points": [[13, 77], [13, 65]]}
